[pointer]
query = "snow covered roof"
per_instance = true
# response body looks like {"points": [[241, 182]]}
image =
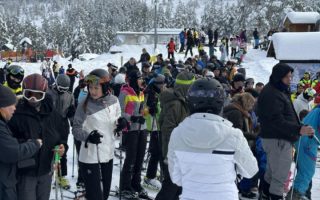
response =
{"points": [[303, 46], [9, 46], [303, 17], [27, 40]]}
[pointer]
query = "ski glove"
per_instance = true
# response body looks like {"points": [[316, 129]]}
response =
{"points": [[122, 123], [134, 119], [94, 137]]}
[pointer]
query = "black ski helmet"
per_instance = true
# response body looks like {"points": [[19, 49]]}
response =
{"points": [[206, 95], [99, 76], [16, 72]]}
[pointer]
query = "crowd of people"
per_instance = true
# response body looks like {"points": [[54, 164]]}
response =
{"points": [[213, 131]]}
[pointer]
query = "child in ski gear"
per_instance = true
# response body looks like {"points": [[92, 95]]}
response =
{"points": [[205, 151], [13, 153], [131, 99], [93, 125], [35, 118], [63, 103], [306, 80], [280, 127], [14, 77], [303, 102]]}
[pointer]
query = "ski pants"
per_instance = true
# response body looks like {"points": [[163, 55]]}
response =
{"points": [[8, 193], [92, 179], [279, 159], [155, 155], [78, 146], [170, 55], [189, 48], [169, 190], [211, 50], [34, 187], [182, 47], [135, 143], [256, 43], [65, 135], [233, 52], [306, 163]]}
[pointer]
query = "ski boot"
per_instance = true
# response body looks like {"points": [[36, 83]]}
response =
{"points": [[129, 194], [152, 184], [64, 183]]}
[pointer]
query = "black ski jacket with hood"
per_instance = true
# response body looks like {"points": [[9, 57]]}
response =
{"points": [[275, 110], [27, 123]]}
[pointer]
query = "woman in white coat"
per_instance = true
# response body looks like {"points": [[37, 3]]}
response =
{"points": [[94, 124]]}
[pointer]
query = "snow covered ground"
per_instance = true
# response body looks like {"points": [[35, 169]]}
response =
{"points": [[256, 64]]}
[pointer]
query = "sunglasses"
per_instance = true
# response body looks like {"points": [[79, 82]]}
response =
{"points": [[34, 95], [16, 71], [92, 79]]}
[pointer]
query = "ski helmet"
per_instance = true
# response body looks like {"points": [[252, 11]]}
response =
{"points": [[35, 82], [17, 72], [99, 76], [309, 93], [34, 88], [206, 95], [63, 82]]}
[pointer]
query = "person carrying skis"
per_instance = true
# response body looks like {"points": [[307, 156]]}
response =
{"points": [[94, 124], [35, 118], [205, 152], [13, 154]]}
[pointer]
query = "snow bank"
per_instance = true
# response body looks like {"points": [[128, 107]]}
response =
{"points": [[297, 46], [303, 17]]}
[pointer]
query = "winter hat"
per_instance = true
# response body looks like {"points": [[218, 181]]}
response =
{"points": [[185, 78], [159, 79], [112, 66], [7, 98], [70, 66], [63, 81], [279, 71], [209, 74], [120, 78], [308, 93], [238, 77]]}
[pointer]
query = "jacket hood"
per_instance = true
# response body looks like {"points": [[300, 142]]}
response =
{"points": [[196, 129], [279, 71], [127, 89], [168, 96]]}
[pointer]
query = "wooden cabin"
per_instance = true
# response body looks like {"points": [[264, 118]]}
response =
{"points": [[301, 21]]}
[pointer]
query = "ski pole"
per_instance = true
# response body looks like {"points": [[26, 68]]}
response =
{"points": [[100, 171], [295, 168], [57, 158], [73, 159]]}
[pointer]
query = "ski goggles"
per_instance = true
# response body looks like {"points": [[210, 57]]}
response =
{"points": [[92, 79], [17, 71], [62, 89], [34, 95], [208, 94]]}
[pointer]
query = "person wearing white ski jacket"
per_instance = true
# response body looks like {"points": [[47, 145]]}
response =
{"points": [[303, 101], [205, 152], [94, 124]]}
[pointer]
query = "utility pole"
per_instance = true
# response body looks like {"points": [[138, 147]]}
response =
{"points": [[155, 25]]}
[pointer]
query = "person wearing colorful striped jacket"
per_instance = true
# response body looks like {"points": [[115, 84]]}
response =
{"points": [[131, 100]]}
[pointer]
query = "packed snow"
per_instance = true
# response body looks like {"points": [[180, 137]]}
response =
{"points": [[303, 17]]}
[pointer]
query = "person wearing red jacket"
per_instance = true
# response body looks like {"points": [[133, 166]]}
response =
{"points": [[171, 48]]}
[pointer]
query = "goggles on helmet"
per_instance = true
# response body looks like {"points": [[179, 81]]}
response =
{"points": [[62, 89], [34, 95], [92, 79], [17, 71], [207, 93]]}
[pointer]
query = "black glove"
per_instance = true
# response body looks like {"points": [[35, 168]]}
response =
{"points": [[141, 120], [121, 124], [94, 137], [134, 119]]}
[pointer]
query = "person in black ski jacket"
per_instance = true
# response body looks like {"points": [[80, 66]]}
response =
{"points": [[13, 153], [280, 127], [72, 73], [36, 118], [145, 56]]}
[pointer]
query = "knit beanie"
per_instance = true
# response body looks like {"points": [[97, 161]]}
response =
{"points": [[185, 78], [7, 97]]}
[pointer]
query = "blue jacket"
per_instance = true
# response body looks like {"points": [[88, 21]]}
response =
{"points": [[182, 37]]}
